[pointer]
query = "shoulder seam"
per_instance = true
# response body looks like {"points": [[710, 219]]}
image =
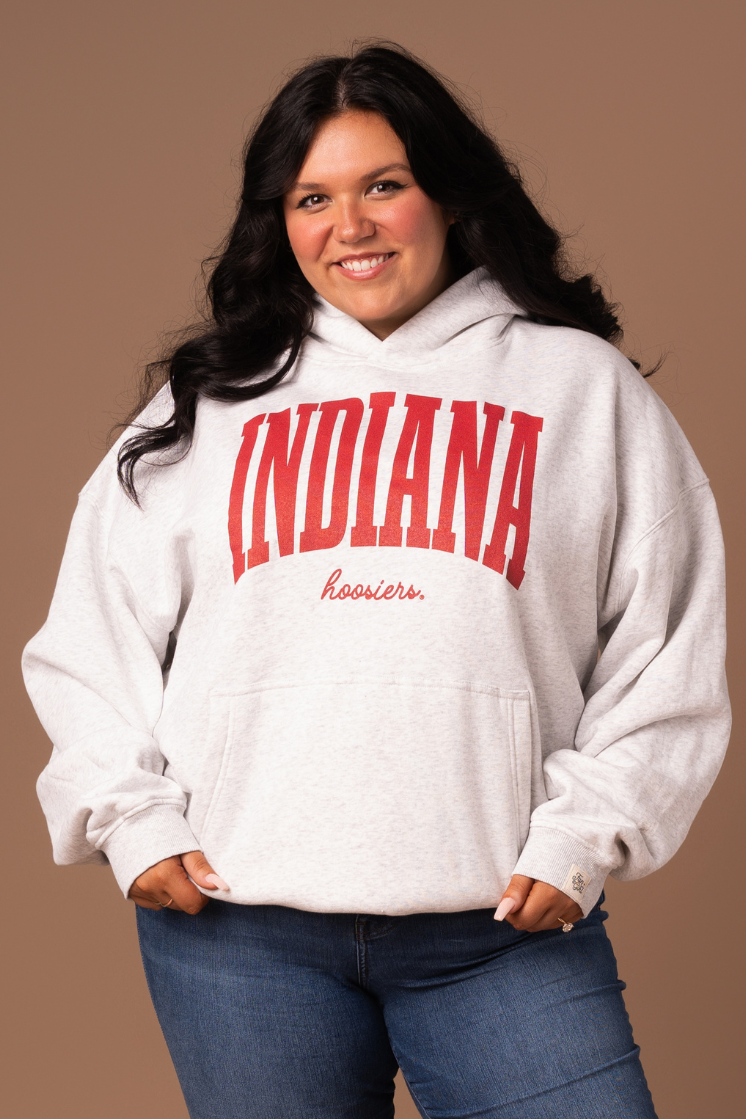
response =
{"points": [[650, 531], [111, 560]]}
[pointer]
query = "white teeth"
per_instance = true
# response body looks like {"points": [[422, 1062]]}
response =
{"points": [[365, 264]]}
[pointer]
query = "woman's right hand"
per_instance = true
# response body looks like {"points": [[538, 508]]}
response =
{"points": [[166, 885]]}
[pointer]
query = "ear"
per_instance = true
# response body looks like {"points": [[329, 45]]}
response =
{"points": [[450, 217]]}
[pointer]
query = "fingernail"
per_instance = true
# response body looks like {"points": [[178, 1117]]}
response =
{"points": [[217, 881], [506, 906]]}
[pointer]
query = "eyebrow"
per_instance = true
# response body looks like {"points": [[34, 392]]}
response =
{"points": [[364, 178]]}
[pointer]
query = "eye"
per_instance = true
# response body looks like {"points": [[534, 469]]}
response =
{"points": [[385, 186], [310, 201]]}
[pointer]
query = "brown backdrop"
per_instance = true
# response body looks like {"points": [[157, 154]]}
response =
{"points": [[125, 123]]}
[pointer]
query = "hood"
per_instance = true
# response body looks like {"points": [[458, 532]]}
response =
{"points": [[475, 298]]}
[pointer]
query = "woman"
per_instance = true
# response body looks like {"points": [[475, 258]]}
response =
{"points": [[435, 583]]}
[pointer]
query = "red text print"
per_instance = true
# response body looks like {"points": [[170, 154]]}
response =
{"points": [[381, 593], [388, 488]]}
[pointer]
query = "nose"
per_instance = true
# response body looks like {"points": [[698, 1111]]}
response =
{"points": [[353, 224]]}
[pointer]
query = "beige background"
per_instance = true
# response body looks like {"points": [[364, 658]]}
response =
{"points": [[125, 123]]}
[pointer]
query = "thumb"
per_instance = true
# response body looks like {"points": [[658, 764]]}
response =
{"points": [[514, 897], [201, 873]]}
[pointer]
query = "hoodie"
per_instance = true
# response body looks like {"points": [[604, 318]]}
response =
{"points": [[438, 609]]}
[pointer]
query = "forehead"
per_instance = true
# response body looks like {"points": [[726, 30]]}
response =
{"points": [[350, 144]]}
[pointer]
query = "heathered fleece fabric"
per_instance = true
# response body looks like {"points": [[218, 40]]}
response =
{"points": [[387, 582]]}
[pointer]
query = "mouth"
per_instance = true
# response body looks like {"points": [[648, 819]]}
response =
{"points": [[364, 267]]}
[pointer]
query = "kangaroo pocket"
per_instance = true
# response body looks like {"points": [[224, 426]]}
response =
{"points": [[370, 795]]}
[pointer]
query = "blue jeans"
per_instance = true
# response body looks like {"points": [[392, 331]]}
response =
{"points": [[276, 1013]]}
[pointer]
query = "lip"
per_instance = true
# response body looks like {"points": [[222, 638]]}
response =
{"points": [[357, 277]]}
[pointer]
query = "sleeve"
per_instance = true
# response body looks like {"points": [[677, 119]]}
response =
{"points": [[656, 719], [94, 676]]}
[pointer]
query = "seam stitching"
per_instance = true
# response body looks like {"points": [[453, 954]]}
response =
{"points": [[516, 695], [362, 971], [576, 838], [136, 812], [649, 532]]}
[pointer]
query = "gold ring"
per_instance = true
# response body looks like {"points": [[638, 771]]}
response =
{"points": [[566, 925], [165, 905]]}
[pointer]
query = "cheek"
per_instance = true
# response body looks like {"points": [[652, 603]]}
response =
{"points": [[418, 222], [307, 239]]}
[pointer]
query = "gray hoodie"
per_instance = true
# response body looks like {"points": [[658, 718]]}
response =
{"points": [[445, 608]]}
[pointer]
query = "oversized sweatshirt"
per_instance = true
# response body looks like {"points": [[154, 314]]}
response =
{"points": [[438, 609]]}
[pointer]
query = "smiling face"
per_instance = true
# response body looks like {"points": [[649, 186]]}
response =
{"points": [[365, 235]]}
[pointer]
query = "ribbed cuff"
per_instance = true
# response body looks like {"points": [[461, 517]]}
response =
{"points": [[565, 863], [145, 838]]}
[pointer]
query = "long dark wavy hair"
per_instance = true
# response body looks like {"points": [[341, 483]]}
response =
{"points": [[259, 304]]}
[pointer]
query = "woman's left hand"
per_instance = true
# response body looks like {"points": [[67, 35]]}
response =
{"points": [[538, 906]]}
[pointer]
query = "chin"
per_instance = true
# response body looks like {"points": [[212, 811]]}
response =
{"points": [[370, 306]]}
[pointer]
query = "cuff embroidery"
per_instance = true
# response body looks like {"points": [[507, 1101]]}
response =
{"points": [[576, 881]]}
